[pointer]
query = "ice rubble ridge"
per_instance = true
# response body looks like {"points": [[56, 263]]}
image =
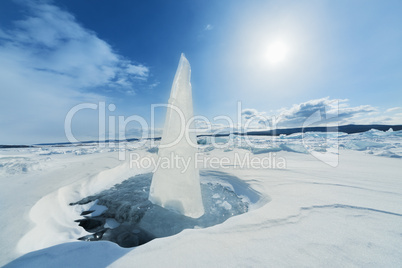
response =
{"points": [[376, 142], [388, 144], [124, 215]]}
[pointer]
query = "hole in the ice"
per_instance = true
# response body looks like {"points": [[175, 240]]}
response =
{"points": [[124, 215]]}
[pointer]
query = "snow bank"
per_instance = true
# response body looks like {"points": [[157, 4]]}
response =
{"points": [[54, 218], [98, 254]]}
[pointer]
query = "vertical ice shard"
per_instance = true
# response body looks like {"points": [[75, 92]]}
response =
{"points": [[176, 185]]}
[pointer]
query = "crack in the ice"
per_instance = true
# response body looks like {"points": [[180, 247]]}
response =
{"points": [[352, 207], [292, 219], [339, 185]]}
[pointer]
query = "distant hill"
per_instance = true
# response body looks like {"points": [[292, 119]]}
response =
{"points": [[349, 129]]}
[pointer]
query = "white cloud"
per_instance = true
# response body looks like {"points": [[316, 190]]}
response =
{"points": [[249, 113], [52, 41], [48, 63], [337, 110], [130, 92], [209, 27], [153, 85], [393, 109], [138, 70]]}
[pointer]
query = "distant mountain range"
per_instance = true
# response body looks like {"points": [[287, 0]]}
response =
{"points": [[349, 129]]}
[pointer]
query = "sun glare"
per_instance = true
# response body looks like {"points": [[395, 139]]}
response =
{"points": [[277, 52]]}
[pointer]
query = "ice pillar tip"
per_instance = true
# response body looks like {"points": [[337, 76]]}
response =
{"points": [[177, 186]]}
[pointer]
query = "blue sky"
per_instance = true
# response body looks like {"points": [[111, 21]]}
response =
{"points": [[58, 54]]}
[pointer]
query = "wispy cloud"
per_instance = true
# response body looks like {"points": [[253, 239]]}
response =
{"points": [[49, 63], [390, 110], [209, 27], [153, 85], [51, 41]]}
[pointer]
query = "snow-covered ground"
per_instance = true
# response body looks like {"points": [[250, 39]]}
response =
{"points": [[308, 213]]}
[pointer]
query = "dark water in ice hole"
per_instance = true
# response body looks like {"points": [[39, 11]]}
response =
{"points": [[132, 220]]}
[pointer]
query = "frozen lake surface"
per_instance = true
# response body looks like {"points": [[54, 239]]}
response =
{"points": [[306, 213]]}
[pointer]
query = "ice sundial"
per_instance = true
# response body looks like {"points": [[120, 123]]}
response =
{"points": [[149, 206]]}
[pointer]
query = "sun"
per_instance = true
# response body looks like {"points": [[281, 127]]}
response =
{"points": [[277, 52]]}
